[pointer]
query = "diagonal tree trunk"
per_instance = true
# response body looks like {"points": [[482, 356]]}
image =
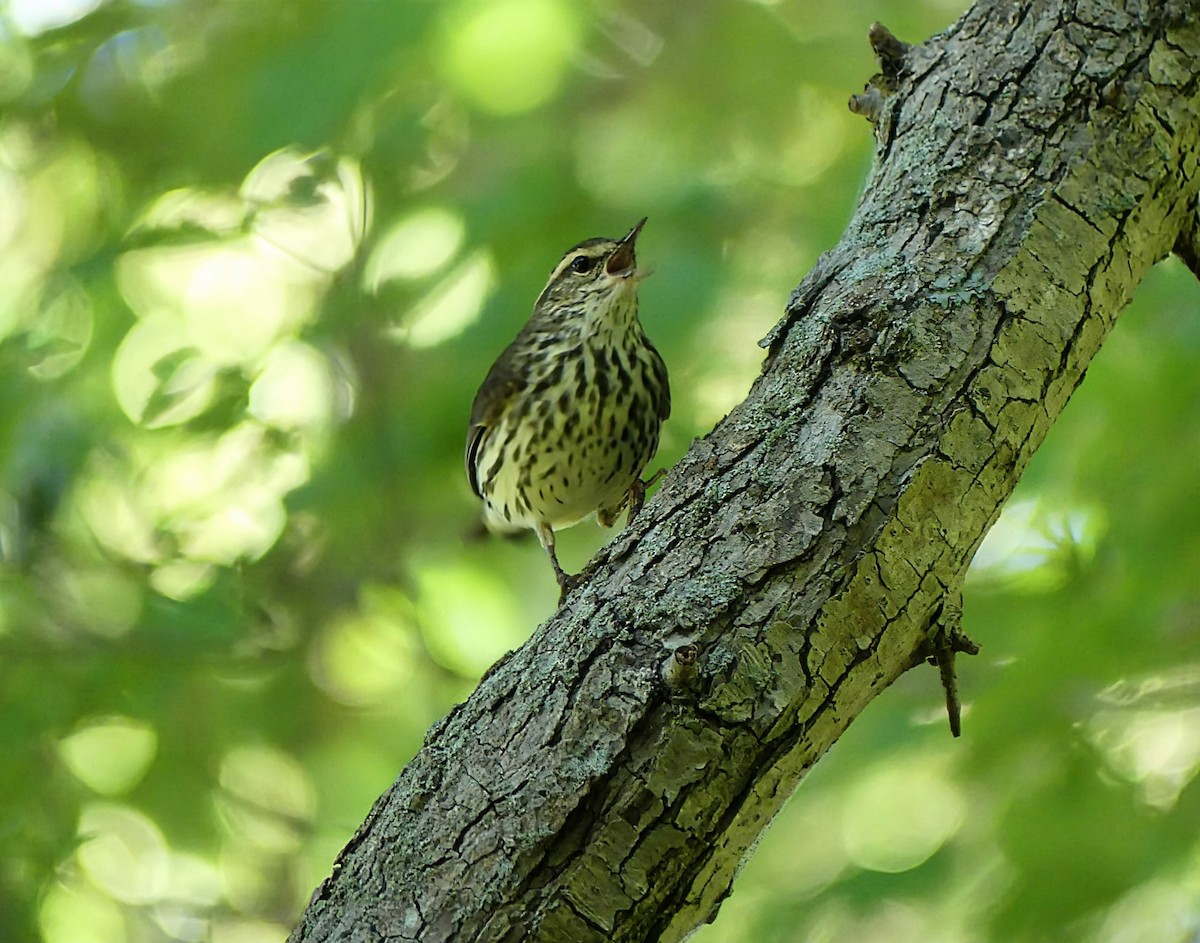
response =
{"points": [[605, 781]]}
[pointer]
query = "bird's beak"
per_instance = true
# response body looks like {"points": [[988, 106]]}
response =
{"points": [[622, 262]]}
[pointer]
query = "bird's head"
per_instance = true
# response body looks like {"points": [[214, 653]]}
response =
{"points": [[596, 279]]}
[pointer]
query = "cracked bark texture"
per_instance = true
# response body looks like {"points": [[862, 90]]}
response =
{"points": [[605, 781]]}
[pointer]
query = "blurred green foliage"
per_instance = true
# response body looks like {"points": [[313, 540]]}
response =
{"points": [[255, 257]]}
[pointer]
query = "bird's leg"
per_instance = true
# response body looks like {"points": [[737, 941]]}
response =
{"points": [[566, 582]]}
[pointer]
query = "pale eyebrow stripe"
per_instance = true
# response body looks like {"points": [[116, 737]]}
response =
{"points": [[591, 252]]}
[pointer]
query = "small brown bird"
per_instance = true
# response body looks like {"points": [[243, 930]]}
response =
{"points": [[570, 412]]}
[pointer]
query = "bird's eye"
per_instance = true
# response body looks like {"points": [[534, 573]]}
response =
{"points": [[581, 264]]}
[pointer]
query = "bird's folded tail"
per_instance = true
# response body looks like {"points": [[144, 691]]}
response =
{"points": [[478, 531]]}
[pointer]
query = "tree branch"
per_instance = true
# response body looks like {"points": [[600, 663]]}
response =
{"points": [[605, 781]]}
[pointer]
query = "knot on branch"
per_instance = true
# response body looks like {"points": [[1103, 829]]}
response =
{"points": [[890, 51], [943, 647], [892, 55], [680, 671]]}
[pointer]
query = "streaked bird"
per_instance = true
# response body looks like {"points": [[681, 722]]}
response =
{"points": [[570, 412]]}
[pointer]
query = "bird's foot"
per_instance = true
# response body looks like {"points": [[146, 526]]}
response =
{"points": [[633, 499], [637, 493], [566, 582]]}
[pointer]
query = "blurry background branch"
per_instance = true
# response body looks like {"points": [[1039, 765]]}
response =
{"points": [[605, 781], [254, 257]]}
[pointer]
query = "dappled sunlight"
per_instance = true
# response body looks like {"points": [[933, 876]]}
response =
{"points": [[800, 152], [192, 892], [1149, 734], [364, 657], [1160, 911], [52, 193], [879, 839], [36, 16], [423, 247], [109, 755], [125, 875], [194, 212], [508, 56], [198, 500], [611, 141], [415, 246], [59, 330], [157, 378], [182, 579], [467, 616], [231, 300], [123, 852], [263, 265], [76, 912], [451, 305], [237, 300], [296, 389], [218, 314], [1159, 751], [266, 800], [103, 599], [313, 209], [1037, 545], [109, 507]]}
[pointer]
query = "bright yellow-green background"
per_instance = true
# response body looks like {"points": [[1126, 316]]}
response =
{"points": [[254, 259]]}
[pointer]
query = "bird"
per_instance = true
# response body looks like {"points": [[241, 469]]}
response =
{"points": [[570, 413]]}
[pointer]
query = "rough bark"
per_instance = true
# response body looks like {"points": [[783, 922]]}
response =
{"points": [[605, 781]]}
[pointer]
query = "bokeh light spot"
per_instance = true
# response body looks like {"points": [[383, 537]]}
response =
{"points": [[32, 17], [78, 913], [123, 852], [876, 837], [416, 246], [193, 888], [110, 510], [182, 579], [59, 332], [266, 799], [508, 56], [1036, 545], [156, 376], [1148, 743], [222, 497], [611, 143], [311, 209], [109, 756], [294, 389], [366, 656], [452, 304], [106, 600], [467, 617]]}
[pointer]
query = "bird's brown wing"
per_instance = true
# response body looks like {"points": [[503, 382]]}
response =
{"points": [[662, 404], [474, 441], [498, 389]]}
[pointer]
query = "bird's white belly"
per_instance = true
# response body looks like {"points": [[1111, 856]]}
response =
{"points": [[560, 478]]}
